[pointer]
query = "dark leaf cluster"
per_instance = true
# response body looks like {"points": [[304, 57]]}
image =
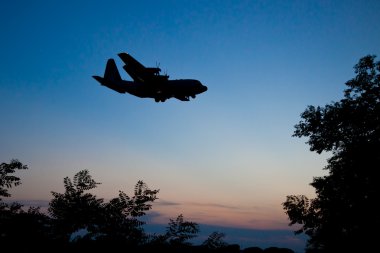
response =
{"points": [[344, 216], [7, 180]]}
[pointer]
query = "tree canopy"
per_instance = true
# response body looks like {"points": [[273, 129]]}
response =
{"points": [[344, 214], [7, 180]]}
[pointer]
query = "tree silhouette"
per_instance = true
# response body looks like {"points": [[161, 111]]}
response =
{"points": [[19, 230], [75, 209], [113, 223], [6, 179], [178, 232], [344, 215], [121, 214], [215, 241]]}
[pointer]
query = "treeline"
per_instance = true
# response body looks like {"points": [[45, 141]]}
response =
{"points": [[106, 226]]}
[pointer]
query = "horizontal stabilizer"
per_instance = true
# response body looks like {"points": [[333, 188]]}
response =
{"points": [[99, 79]]}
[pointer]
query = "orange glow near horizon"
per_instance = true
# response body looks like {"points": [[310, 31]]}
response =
{"points": [[221, 215]]}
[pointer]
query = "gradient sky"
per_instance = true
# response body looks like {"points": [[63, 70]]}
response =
{"points": [[226, 158]]}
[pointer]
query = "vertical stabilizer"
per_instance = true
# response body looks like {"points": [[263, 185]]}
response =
{"points": [[111, 73]]}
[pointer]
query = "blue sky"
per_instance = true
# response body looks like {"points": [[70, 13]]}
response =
{"points": [[226, 158]]}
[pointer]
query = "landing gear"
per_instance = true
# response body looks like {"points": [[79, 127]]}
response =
{"points": [[159, 100]]}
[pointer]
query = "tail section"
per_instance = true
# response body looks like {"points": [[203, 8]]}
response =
{"points": [[112, 78], [111, 73]]}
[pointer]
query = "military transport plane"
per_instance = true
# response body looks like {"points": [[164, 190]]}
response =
{"points": [[147, 82]]}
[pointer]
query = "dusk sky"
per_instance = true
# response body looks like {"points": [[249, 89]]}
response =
{"points": [[226, 158]]}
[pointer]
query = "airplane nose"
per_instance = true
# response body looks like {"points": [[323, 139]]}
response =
{"points": [[201, 88]]}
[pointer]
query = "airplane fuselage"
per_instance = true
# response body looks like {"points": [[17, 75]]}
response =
{"points": [[181, 89]]}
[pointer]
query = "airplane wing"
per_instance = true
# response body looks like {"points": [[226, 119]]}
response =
{"points": [[137, 71], [129, 60]]}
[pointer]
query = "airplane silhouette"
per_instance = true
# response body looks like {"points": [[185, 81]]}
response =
{"points": [[147, 82]]}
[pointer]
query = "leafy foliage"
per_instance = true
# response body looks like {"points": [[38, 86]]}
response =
{"points": [[74, 209], [115, 221], [31, 226], [343, 216], [120, 215], [7, 180], [215, 241], [180, 231]]}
